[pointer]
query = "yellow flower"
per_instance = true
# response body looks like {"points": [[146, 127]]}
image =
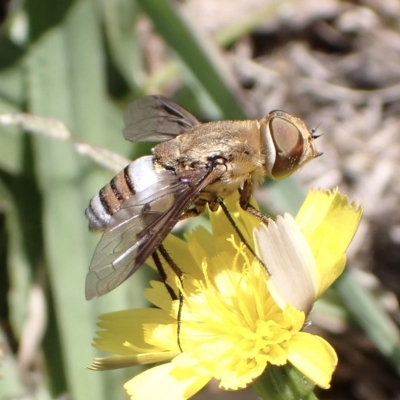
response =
{"points": [[236, 319]]}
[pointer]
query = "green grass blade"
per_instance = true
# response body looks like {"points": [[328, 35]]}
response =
{"points": [[197, 53], [11, 149], [67, 81], [120, 18], [368, 314]]}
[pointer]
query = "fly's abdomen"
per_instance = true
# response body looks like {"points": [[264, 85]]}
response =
{"points": [[134, 178]]}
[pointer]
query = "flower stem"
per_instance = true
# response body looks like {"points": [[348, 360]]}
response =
{"points": [[284, 383]]}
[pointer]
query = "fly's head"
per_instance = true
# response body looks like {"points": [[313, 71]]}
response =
{"points": [[287, 144]]}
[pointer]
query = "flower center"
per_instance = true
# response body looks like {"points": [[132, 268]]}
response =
{"points": [[230, 321]]}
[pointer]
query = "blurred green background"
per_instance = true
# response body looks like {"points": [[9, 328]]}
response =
{"points": [[81, 62]]}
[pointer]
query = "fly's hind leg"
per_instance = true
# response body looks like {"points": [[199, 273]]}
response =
{"points": [[171, 263], [178, 272], [187, 214], [163, 274]]}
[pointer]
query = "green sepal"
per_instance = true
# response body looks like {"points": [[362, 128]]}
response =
{"points": [[284, 383]]}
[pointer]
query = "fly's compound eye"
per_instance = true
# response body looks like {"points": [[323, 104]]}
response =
{"points": [[289, 145]]}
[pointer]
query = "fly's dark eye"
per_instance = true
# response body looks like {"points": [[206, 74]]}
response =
{"points": [[289, 144]]}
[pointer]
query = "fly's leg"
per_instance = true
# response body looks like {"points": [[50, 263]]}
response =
{"points": [[239, 232], [245, 195], [195, 212], [163, 275], [177, 271]]}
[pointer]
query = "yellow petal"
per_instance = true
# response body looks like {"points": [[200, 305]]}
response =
{"points": [[163, 336], [201, 244], [314, 209], [328, 222], [127, 326], [163, 382], [314, 357], [290, 263], [159, 296]]}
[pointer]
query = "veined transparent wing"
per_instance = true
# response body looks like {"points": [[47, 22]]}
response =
{"points": [[156, 118], [139, 227]]}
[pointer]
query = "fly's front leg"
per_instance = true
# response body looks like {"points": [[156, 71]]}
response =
{"points": [[244, 202], [238, 231], [244, 199]]}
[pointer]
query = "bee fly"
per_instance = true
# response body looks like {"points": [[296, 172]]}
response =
{"points": [[194, 165]]}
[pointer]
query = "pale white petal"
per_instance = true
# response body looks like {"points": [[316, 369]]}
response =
{"points": [[117, 362], [290, 263]]}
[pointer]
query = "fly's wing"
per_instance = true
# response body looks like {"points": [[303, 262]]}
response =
{"points": [[156, 119], [139, 227]]}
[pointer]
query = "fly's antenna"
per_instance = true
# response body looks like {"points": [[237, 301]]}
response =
{"points": [[314, 135]]}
